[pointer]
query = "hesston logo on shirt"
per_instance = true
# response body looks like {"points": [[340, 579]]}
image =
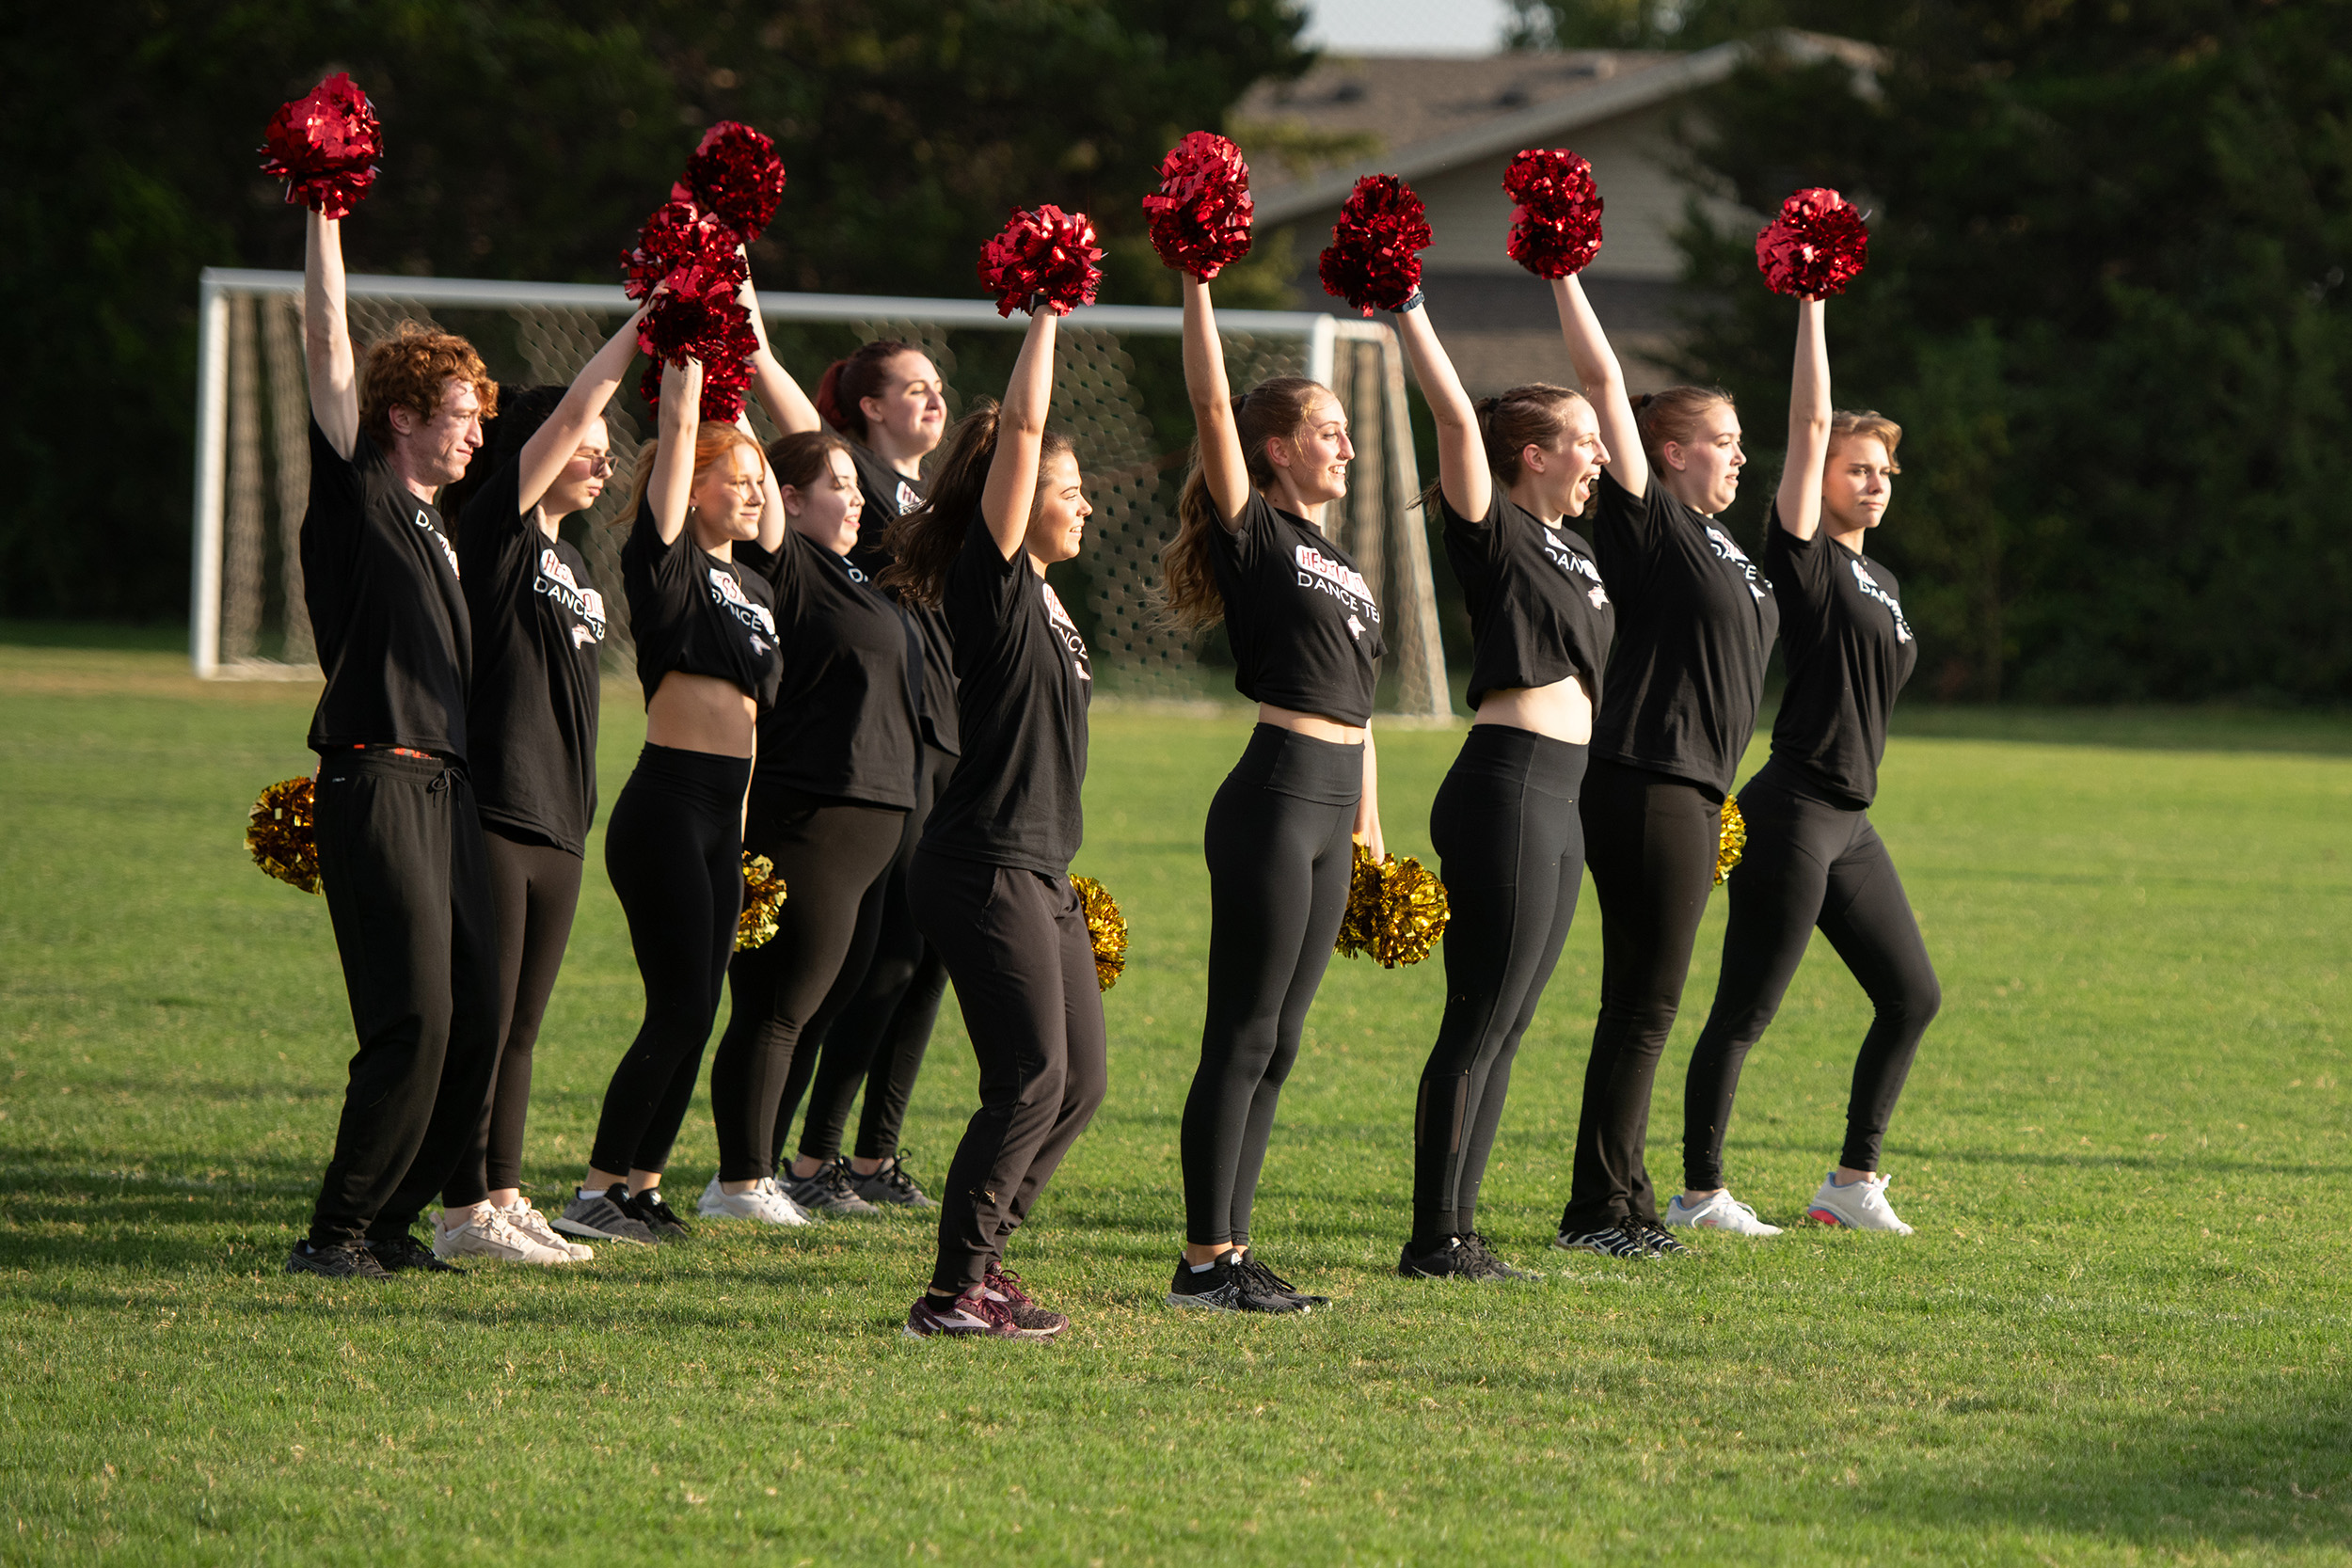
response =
{"points": [[907, 500], [1556, 551], [1066, 629], [728, 593], [1870, 590], [1738, 557], [424, 521], [1324, 574], [556, 582]]}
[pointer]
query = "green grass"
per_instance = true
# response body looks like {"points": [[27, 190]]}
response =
{"points": [[2120, 1336]]}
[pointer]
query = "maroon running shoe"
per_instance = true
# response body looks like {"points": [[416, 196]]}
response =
{"points": [[973, 1315], [1005, 1287]]}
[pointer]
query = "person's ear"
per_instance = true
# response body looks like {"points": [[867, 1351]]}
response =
{"points": [[403, 418], [1672, 453], [1534, 459]]}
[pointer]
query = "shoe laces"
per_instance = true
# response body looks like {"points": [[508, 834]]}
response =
{"points": [[1474, 1247], [894, 1176], [1259, 1275], [1006, 1283]]}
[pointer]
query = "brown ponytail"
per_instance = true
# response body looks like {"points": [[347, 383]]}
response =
{"points": [[1674, 415], [848, 383], [924, 543], [1270, 410]]}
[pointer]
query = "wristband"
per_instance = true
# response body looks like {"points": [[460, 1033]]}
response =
{"points": [[1412, 302]]}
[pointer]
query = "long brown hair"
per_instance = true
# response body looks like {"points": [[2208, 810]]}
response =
{"points": [[1535, 415], [803, 457], [848, 383], [1271, 409], [712, 442], [1674, 415], [924, 543]]}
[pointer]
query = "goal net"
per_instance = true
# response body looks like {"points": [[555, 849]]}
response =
{"points": [[1117, 393]]}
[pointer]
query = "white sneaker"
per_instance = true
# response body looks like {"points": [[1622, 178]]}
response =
{"points": [[1857, 1204], [532, 1223], [1720, 1212], [765, 1203], [485, 1234]]}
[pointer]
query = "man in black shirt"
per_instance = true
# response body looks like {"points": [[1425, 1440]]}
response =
{"points": [[400, 848]]}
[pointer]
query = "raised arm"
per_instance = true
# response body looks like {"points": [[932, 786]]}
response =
{"points": [[771, 518], [327, 335], [778, 392], [1603, 381], [1221, 457], [1800, 498], [672, 478], [552, 444], [1462, 475], [1011, 494]]}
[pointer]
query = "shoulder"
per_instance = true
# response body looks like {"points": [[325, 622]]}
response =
{"points": [[497, 503]]}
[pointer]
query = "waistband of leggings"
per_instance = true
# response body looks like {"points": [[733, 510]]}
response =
{"points": [[696, 775], [1327, 772], [391, 761], [1555, 767], [1777, 777], [1608, 772]]}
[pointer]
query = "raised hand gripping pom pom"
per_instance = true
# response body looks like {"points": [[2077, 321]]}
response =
{"points": [[695, 262], [1105, 926], [1555, 226], [1200, 213], [280, 837], [763, 890], [1373, 259], [325, 146], [1732, 842], [1044, 255], [736, 174], [1814, 248]]}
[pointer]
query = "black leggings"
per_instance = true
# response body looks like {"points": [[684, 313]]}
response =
{"points": [[886, 1013], [1279, 851], [829, 852], [1511, 852], [1650, 839], [1809, 862], [675, 852], [535, 887], [1016, 942]]}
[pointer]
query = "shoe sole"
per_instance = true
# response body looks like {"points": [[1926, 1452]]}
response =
{"points": [[574, 1228], [1565, 1246], [1177, 1298], [1822, 1216]]}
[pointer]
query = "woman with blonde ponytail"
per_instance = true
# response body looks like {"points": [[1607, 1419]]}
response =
{"points": [[1511, 472], [1306, 637]]}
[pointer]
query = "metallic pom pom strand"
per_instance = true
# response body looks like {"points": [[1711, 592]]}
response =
{"points": [[1105, 928], [1396, 910], [280, 837], [763, 890], [1734, 841]]}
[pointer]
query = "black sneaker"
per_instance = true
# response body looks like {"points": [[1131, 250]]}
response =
{"points": [[1444, 1258], [1220, 1288], [1659, 1239], [1613, 1241], [1265, 1282], [891, 1187], [401, 1253], [335, 1260], [658, 1217], [1486, 1265], [828, 1192], [600, 1215]]}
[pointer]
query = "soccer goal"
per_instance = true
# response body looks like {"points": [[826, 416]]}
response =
{"points": [[1118, 391]]}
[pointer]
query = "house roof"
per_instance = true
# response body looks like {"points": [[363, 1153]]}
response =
{"points": [[1431, 113]]}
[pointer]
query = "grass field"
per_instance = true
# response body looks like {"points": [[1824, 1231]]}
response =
{"points": [[2120, 1336]]}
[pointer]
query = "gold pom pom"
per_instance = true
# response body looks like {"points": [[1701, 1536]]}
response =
{"points": [[1733, 844], [1106, 926], [763, 890], [1396, 909], [279, 834]]}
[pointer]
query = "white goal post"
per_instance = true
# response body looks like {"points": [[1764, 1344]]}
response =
{"points": [[252, 452]]}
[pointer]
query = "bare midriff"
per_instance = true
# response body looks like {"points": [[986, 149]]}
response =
{"points": [[701, 713], [1314, 726], [1561, 711]]}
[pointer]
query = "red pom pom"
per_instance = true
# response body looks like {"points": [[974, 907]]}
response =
{"points": [[1200, 213], [736, 174], [1555, 229], [699, 315], [1373, 261], [325, 147], [680, 233], [1814, 248], [1045, 254]]}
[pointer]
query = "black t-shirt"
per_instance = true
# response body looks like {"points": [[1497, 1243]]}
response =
{"points": [[690, 610], [538, 629], [380, 580], [1304, 626], [889, 496], [1023, 682], [1695, 622], [1538, 611], [844, 721], [1849, 651]]}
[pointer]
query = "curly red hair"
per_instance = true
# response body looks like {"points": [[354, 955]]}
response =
{"points": [[412, 370]]}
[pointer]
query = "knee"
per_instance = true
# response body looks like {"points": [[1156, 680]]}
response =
{"points": [[1913, 1001]]}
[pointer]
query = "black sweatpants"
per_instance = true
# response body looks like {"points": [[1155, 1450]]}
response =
{"points": [[886, 1014], [1650, 840], [408, 888], [1809, 861], [675, 852], [1016, 944], [1280, 849], [829, 852], [535, 889], [1511, 852]]}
